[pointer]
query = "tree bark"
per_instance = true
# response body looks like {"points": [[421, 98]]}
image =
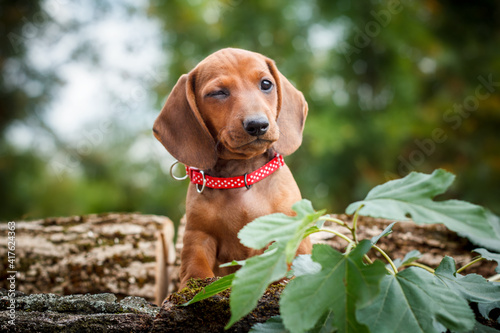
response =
{"points": [[105, 253]]}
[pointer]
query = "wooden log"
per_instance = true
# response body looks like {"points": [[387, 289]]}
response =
{"points": [[105, 253]]}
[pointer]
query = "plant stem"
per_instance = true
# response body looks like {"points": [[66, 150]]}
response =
{"points": [[347, 239], [368, 259], [494, 278], [382, 252], [349, 247], [470, 264], [354, 222], [416, 264], [332, 219]]}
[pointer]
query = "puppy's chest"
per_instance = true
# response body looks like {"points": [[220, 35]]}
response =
{"points": [[234, 206], [224, 212], [231, 249], [234, 212]]}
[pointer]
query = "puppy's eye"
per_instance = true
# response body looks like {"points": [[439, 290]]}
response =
{"points": [[266, 85], [219, 94]]}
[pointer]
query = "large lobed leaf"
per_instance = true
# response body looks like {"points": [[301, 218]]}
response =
{"points": [[286, 233], [303, 265], [414, 300], [272, 325], [486, 308], [411, 198], [275, 325], [343, 283], [472, 287], [490, 256], [252, 279], [408, 258], [492, 243]]}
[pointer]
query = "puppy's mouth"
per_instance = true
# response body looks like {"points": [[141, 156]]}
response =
{"points": [[257, 145], [258, 142]]}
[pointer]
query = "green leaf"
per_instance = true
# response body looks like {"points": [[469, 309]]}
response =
{"points": [[276, 227], [252, 279], [272, 325], [480, 328], [485, 308], [212, 289], [311, 230], [409, 258], [386, 232], [492, 243], [285, 233], [411, 198], [320, 224], [471, 287], [280, 228], [489, 256], [343, 283], [325, 324], [234, 263], [411, 301], [303, 265]]}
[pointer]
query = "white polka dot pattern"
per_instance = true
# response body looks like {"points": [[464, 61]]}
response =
{"points": [[235, 182]]}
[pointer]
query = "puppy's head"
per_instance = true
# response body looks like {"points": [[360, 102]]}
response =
{"points": [[234, 104]]}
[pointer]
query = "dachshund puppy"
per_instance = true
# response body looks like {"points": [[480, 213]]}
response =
{"points": [[230, 121]]}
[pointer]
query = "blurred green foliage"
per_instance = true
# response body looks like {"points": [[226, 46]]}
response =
{"points": [[392, 86]]}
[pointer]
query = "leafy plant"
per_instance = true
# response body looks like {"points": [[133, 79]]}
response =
{"points": [[349, 292]]}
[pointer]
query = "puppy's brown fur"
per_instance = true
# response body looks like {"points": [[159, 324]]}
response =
{"points": [[204, 124]]}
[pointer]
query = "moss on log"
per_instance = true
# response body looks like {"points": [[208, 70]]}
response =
{"points": [[75, 313], [104, 313]]}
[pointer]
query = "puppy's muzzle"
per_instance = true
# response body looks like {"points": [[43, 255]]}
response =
{"points": [[256, 126]]}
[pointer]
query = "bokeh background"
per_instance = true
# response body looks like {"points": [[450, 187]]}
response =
{"points": [[392, 86]]}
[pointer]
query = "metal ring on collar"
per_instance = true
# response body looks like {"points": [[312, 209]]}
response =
{"points": [[246, 184], [204, 183], [172, 172]]}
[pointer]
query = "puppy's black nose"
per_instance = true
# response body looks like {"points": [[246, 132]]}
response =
{"points": [[256, 126]]}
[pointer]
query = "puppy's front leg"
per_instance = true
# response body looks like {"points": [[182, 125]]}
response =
{"points": [[197, 257], [305, 247]]}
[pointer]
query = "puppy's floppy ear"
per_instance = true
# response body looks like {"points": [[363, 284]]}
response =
{"points": [[181, 129], [292, 112]]}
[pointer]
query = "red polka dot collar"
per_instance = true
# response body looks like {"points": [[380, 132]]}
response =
{"points": [[198, 177]]}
